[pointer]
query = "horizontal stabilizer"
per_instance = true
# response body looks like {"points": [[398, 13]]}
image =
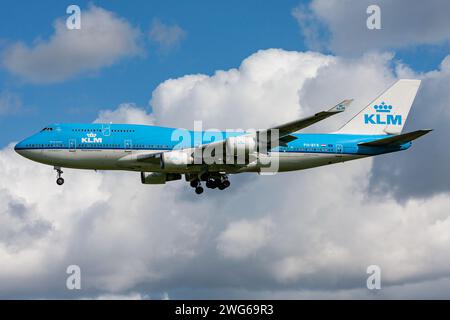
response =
{"points": [[396, 140]]}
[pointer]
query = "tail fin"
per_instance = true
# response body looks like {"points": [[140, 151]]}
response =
{"points": [[387, 113]]}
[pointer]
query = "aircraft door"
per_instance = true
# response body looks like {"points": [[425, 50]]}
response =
{"points": [[339, 148], [72, 145], [106, 130], [128, 145]]}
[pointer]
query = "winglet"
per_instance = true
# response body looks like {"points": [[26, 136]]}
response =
{"points": [[340, 107]]}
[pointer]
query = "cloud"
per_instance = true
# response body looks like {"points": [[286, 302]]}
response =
{"points": [[312, 28], [264, 91], [166, 36], [328, 23], [304, 234], [104, 39], [18, 226], [242, 238], [423, 171], [130, 296], [10, 103], [125, 113]]}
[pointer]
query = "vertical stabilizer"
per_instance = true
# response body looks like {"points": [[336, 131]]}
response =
{"points": [[387, 113]]}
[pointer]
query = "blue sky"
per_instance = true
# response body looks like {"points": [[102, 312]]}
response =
{"points": [[219, 36]]}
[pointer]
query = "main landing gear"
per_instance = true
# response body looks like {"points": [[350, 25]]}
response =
{"points": [[213, 181], [59, 180], [197, 185]]}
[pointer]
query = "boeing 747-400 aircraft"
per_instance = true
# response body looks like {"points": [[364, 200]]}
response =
{"points": [[163, 154]]}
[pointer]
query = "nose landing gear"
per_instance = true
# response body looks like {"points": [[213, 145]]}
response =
{"points": [[59, 180]]}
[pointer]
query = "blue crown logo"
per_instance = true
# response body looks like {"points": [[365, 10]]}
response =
{"points": [[382, 107]]}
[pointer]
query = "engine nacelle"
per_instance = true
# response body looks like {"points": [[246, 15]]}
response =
{"points": [[175, 160], [241, 145], [158, 177]]}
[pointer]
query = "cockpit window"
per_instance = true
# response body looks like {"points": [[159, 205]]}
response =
{"points": [[47, 129]]}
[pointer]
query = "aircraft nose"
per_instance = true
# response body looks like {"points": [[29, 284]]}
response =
{"points": [[19, 148]]}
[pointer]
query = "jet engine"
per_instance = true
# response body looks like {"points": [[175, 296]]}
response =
{"points": [[158, 177], [241, 145], [175, 160]]}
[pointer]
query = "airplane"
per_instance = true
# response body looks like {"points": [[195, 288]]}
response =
{"points": [[163, 154]]}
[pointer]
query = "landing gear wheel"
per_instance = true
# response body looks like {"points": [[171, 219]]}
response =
{"points": [[211, 184], [194, 183], [199, 190], [226, 183], [59, 180]]}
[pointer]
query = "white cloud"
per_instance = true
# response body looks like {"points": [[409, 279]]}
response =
{"points": [[242, 238], [262, 92], [308, 233], [125, 113], [341, 25], [103, 39], [166, 36], [314, 33]]}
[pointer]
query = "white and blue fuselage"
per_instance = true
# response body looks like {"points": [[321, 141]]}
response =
{"points": [[113, 147]]}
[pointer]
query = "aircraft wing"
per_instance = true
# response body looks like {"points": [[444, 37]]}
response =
{"points": [[266, 138], [153, 158], [297, 125], [285, 130]]}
